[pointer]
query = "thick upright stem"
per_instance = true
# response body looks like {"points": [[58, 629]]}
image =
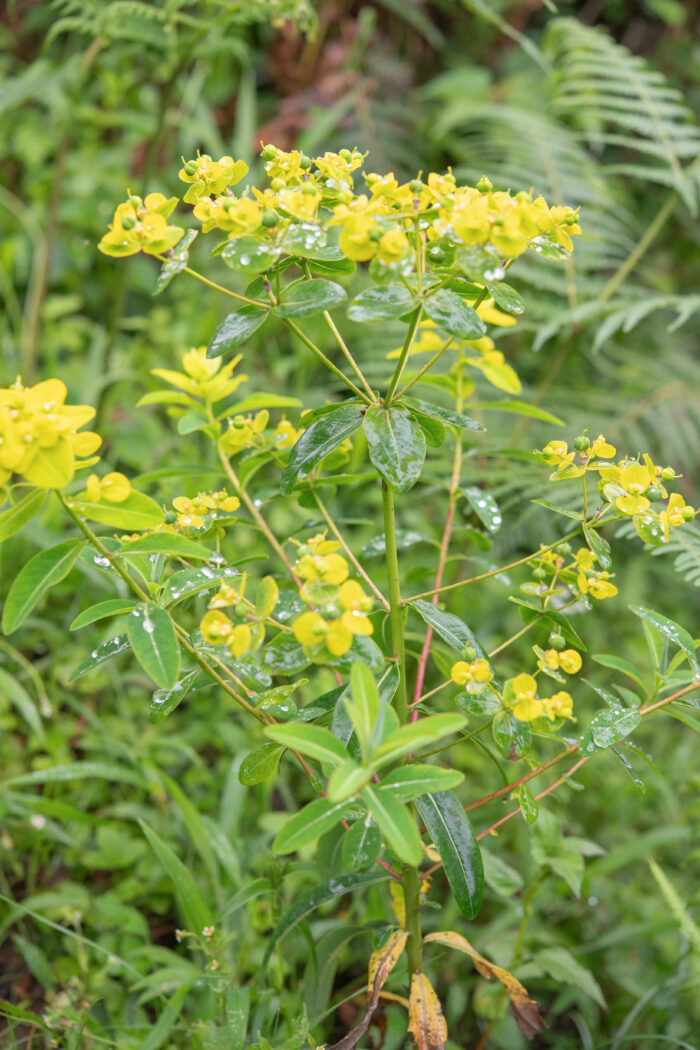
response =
{"points": [[411, 878]]}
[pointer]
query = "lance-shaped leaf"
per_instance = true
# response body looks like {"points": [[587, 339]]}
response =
{"points": [[450, 311], [308, 902], [314, 741], [41, 572], [395, 823], [607, 727], [454, 839], [450, 628], [363, 707], [416, 735], [175, 262], [396, 445], [235, 329], [318, 440], [409, 782], [111, 607], [314, 820], [307, 298], [98, 656], [13, 519], [153, 639], [192, 902], [444, 415], [381, 963], [484, 506], [260, 764], [524, 1009], [166, 543], [426, 1021], [506, 297], [671, 630], [362, 844]]}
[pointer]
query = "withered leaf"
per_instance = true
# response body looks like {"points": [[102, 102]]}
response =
{"points": [[425, 1018], [381, 963]]}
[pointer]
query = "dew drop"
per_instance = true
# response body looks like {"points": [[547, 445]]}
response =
{"points": [[148, 626], [103, 562]]}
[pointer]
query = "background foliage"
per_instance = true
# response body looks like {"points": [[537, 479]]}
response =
{"points": [[591, 104]]}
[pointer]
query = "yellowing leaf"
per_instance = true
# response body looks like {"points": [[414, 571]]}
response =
{"points": [[397, 902], [524, 1009], [425, 1019], [381, 963]]}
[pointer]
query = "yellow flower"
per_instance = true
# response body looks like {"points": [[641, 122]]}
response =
{"points": [[329, 568], [39, 437], [601, 447], [556, 453], [597, 583], [568, 660], [475, 675], [233, 215], [560, 705], [140, 225], [240, 640], [356, 604], [393, 245], [338, 166], [216, 627], [207, 176], [488, 312], [301, 202], [188, 514], [310, 629], [527, 707], [285, 434], [635, 480], [114, 487], [677, 512]]}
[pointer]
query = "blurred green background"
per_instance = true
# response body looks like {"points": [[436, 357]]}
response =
{"points": [[591, 104]]}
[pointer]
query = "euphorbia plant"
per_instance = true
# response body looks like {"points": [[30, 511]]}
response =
{"points": [[376, 748]]}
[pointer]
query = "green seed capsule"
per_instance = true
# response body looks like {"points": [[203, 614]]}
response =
{"points": [[278, 184], [539, 574], [128, 222], [269, 152], [191, 167], [270, 217], [484, 185], [415, 185], [436, 254], [557, 641], [654, 493], [582, 443], [304, 162], [470, 652]]}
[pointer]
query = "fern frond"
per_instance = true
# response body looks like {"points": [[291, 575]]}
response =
{"points": [[603, 89]]}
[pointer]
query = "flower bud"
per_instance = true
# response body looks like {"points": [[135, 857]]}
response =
{"points": [[539, 574], [278, 184], [345, 154], [668, 473], [269, 152], [371, 178], [270, 217], [688, 513], [469, 652], [484, 185], [557, 641]]}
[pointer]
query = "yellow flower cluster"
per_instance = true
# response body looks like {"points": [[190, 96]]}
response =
{"points": [[244, 432], [208, 379], [191, 513], [527, 706], [475, 675], [340, 604], [141, 226], [579, 574], [207, 177], [631, 486], [246, 636], [39, 439]]}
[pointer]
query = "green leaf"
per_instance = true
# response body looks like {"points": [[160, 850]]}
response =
{"points": [[235, 329], [314, 741], [522, 408], [599, 545], [409, 782], [444, 415], [396, 445], [512, 737], [187, 582], [307, 298], [193, 905], [314, 820], [14, 691], [557, 509], [564, 968], [450, 311], [111, 607], [260, 764], [363, 707], [133, 514], [164, 701], [617, 663], [450, 628], [152, 637], [17, 516], [39, 574], [528, 804], [418, 734], [167, 1020], [261, 400], [305, 239], [247, 255], [176, 261], [318, 440], [671, 630], [452, 834], [484, 506], [506, 297], [361, 845], [98, 656], [395, 823], [77, 771], [166, 543], [385, 303], [607, 727], [308, 902]]}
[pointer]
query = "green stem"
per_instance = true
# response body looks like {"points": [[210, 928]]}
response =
{"points": [[411, 896], [640, 248], [218, 287], [396, 615], [326, 360], [405, 351], [426, 367]]}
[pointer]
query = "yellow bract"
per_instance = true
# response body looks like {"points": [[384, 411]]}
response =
{"points": [[475, 675], [114, 487], [140, 225], [207, 176], [39, 437], [569, 660]]}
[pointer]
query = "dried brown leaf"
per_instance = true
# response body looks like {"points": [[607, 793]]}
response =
{"points": [[381, 963], [425, 1019]]}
